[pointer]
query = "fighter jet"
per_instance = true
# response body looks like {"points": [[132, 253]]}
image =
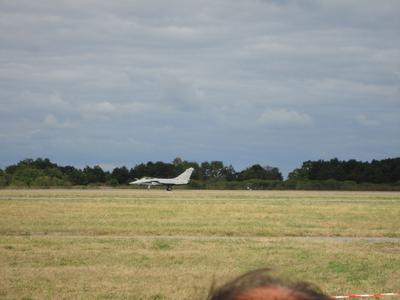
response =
{"points": [[184, 178]]}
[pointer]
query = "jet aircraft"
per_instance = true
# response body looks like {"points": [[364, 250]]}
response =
{"points": [[184, 178]]}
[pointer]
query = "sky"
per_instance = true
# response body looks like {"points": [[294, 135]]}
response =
{"points": [[247, 82]]}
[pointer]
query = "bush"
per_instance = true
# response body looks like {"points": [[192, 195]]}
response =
{"points": [[112, 182], [47, 181], [4, 180]]}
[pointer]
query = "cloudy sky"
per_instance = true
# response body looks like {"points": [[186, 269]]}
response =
{"points": [[251, 81]]}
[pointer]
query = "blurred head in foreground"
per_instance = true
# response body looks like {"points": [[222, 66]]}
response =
{"points": [[258, 285]]}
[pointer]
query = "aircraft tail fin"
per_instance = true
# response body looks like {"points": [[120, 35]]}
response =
{"points": [[185, 176]]}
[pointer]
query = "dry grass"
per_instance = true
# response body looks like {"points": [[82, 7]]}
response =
{"points": [[132, 212], [80, 244]]}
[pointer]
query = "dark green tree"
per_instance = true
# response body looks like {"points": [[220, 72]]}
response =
{"points": [[376, 171], [259, 172], [94, 175], [121, 175], [74, 176]]}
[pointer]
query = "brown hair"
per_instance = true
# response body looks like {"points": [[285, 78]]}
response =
{"points": [[259, 285]]}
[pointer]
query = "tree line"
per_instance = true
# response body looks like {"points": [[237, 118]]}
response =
{"points": [[43, 172], [376, 171], [331, 174]]}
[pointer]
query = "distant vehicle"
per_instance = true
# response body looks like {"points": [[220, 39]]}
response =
{"points": [[184, 178]]}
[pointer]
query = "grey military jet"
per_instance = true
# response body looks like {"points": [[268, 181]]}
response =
{"points": [[184, 178]]}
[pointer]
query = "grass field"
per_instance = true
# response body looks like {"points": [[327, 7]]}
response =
{"points": [[138, 244]]}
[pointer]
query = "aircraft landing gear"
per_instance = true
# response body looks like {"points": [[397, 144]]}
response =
{"points": [[169, 188]]}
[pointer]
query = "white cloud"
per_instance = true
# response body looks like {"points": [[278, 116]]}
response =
{"points": [[50, 121], [366, 121], [284, 117], [102, 107], [38, 101]]}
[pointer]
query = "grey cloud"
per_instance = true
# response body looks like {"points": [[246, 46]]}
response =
{"points": [[366, 121], [284, 117], [245, 80], [51, 121]]}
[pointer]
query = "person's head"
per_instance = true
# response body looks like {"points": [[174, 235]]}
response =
{"points": [[258, 285]]}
